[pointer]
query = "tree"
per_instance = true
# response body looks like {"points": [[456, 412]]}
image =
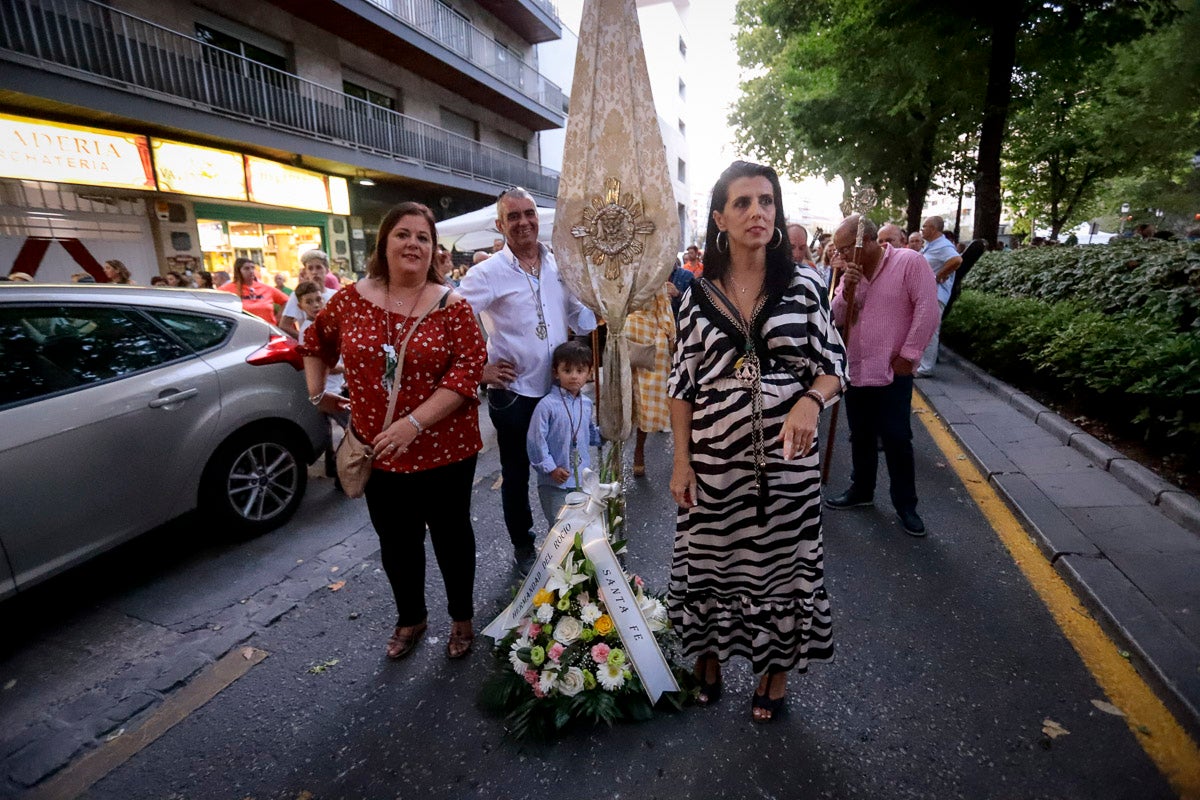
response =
{"points": [[1084, 114], [855, 88], [852, 89]]}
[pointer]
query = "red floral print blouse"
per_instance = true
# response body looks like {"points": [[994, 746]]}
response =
{"points": [[446, 352]]}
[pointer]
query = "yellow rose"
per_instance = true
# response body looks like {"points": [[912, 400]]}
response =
{"points": [[543, 596], [604, 625]]}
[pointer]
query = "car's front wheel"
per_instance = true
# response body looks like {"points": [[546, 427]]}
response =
{"points": [[255, 481]]}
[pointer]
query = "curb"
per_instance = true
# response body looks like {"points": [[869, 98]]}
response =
{"points": [[1174, 502]]}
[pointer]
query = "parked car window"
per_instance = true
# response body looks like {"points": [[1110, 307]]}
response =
{"points": [[47, 349], [197, 331]]}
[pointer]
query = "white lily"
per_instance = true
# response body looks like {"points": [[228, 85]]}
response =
{"points": [[563, 578]]}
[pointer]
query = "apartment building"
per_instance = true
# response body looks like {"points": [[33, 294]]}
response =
{"points": [[180, 135]]}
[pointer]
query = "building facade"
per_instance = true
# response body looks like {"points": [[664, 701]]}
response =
{"points": [[174, 135]]}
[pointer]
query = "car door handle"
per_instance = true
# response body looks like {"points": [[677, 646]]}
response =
{"points": [[172, 396]]}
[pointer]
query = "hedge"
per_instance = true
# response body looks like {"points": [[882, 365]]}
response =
{"points": [[1155, 279], [1129, 369]]}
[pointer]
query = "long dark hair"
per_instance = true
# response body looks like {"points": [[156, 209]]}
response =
{"points": [[237, 270], [377, 266], [779, 252]]}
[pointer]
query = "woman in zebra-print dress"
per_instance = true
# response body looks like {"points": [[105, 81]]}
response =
{"points": [[757, 359]]}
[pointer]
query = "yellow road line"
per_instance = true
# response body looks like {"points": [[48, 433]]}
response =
{"points": [[77, 778], [1152, 724]]}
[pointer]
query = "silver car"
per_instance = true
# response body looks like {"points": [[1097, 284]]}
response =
{"points": [[122, 408]]}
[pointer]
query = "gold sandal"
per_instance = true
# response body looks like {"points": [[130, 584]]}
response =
{"points": [[405, 639]]}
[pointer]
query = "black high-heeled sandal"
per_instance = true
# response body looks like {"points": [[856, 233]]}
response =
{"points": [[709, 693], [775, 706]]}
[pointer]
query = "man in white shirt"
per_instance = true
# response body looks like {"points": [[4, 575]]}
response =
{"points": [[943, 259], [314, 267], [531, 312]]}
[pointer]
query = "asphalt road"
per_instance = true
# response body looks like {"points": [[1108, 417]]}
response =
{"points": [[947, 666]]}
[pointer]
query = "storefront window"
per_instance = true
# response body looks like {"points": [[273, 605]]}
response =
{"points": [[275, 247]]}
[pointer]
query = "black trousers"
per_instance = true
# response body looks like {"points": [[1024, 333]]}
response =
{"points": [[883, 413], [402, 505], [510, 414]]}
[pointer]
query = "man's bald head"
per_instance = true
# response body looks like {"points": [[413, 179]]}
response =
{"points": [[893, 235]]}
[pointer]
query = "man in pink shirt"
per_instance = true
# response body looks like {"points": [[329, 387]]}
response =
{"points": [[896, 311]]}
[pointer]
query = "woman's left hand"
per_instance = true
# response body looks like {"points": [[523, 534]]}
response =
{"points": [[395, 439], [799, 428]]}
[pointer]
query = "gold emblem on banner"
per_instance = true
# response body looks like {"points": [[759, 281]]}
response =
{"points": [[611, 225]]}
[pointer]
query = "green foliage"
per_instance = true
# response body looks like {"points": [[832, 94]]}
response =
{"points": [[1154, 280], [1127, 369]]}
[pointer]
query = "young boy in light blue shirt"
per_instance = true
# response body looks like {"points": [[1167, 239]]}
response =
{"points": [[562, 428]]}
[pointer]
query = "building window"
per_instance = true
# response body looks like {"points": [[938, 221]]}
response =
{"points": [[240, 47], [508, 64], [511, 144], [682, 171], [682, 47], [682, 129], [369, 95], [682, 90], [457, 123]]}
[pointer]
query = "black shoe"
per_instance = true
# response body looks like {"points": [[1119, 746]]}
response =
{"points": [[849, 499], [912, 523], [523, 557]]}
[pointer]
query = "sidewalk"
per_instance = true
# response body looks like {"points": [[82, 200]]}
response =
{"points": [[1128, 541]]}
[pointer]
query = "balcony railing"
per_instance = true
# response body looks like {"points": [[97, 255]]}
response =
{"points": [[92, 41], [440, 23]]}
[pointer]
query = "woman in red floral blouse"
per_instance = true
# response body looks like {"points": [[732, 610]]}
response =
{"points": [[425, 459]]}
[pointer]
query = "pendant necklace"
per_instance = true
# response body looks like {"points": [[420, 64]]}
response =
{"points": [[541, 330], [574, 458], [390, 337], [748, 372]]}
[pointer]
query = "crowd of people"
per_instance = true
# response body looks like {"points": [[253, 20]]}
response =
{"points": [[749, 340]]}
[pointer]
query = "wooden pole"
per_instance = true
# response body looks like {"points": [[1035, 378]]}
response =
{"points": [[863, 202]]}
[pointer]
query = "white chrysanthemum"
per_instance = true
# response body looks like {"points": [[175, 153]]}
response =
{"points": [[567, 630], [547, 680], [545, 613], [518, 665], [571, 683], [590, 612], [611, 676]]}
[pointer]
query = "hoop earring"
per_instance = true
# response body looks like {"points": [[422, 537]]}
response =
{"points": [[774, 243], [718, 242]]}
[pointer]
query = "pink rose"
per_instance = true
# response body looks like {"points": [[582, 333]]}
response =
{"points": [[534, 630], [600, 653], [531, 677], [556, 651]]}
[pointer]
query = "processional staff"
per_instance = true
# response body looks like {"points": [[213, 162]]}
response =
{"points": [[863, 201]]}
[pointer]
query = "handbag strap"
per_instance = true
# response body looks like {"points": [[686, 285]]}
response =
{"points": [[395, 392]]}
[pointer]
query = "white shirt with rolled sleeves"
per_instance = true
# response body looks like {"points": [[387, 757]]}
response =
{"points": [[508, 295]]}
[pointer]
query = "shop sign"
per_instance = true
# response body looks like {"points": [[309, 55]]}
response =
{"points": [[203, 171], [339, 196], [275, 184], [42, 151]]}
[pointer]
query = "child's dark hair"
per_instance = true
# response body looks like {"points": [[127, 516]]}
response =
{"points": [[306, 287], [571, 354]]}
